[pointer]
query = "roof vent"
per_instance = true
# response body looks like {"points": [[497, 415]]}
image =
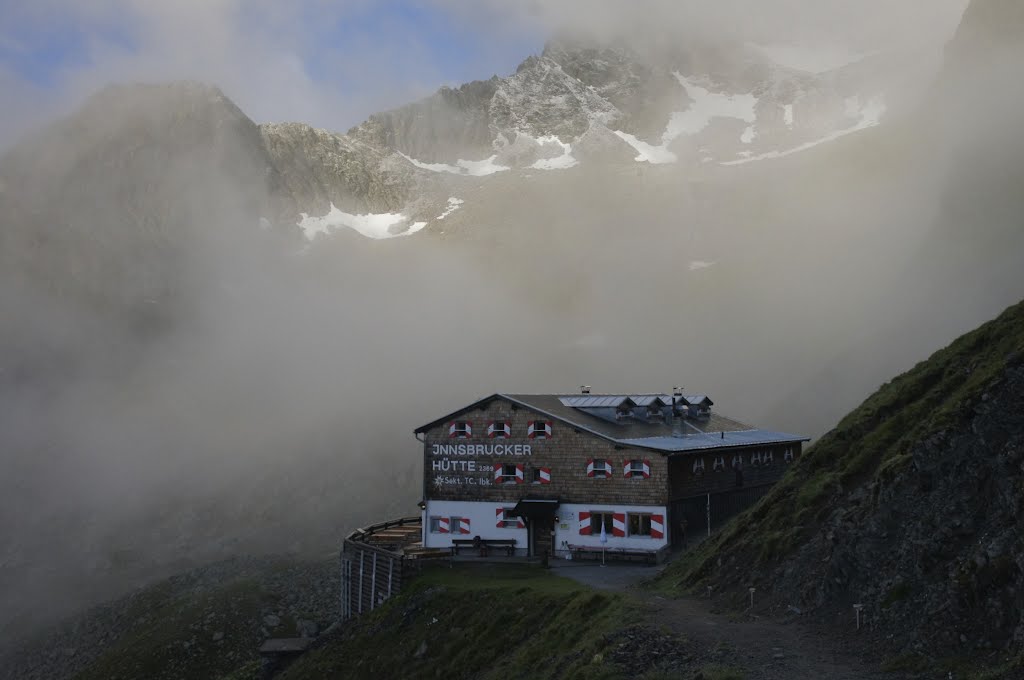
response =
{"points": [[584, 389]]}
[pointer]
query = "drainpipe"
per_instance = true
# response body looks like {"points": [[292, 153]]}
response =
{"points": [[423, 496]]}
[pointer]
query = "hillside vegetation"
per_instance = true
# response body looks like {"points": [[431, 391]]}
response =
{"points": [[909, 507]]}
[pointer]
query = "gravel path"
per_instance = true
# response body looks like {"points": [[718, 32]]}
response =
{"points": [[767, 649]]}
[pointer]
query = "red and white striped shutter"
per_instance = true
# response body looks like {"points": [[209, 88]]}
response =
{"points": [[627, 472], [442, 525], [520, 523], [507, 429], [607, 468], [469, 429], [497, 472], [545, 475], [590, 467], [657, 526], [618, 524], [531, 429], [584, 523], [490, 429], [520, 473], [547, 428], [647, 468], [451, 429], [499, 517], [463, 525]]}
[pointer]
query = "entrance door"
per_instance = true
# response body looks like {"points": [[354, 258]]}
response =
{"points": [[542, 536]]}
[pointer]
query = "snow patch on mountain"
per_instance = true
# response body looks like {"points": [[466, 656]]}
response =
{"points": [[564, 160], [706, 106], [787, 115], [869, 115], [697, 265], [375, 226], [648, 152], [486, 166], [453, 205]]}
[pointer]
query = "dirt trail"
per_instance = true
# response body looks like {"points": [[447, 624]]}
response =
{"points": [[765, 648]]}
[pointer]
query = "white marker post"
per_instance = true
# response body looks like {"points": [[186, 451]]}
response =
{"points": [[752, 597], [857, 608]]}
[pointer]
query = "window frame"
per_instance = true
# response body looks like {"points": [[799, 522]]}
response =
{"points": [[595, 529], [641, 517], [434, 524], [500, 434], [508, 522], [462, 429], [505, 477]]}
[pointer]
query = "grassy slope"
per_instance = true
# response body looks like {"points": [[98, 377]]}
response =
{"points": [[174, 638], [496, 622], [872, 442]]}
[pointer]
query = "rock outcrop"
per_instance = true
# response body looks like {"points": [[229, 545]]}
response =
{"points": [[910, 508]]}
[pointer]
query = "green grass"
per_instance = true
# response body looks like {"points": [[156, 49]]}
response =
{"points": [[478, 621], [873, 442]]}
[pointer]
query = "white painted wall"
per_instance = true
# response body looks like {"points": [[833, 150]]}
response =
{"points": [[481, 523], [568, 517]]}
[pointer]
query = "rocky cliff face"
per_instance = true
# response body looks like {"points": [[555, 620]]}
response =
{"points": [[320, 168]]}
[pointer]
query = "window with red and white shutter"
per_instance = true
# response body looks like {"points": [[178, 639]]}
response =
{"points": [[538, 429], [460, 429], [599, 468], [657, 526], [499, 429], [636, 469], [503, 520]]}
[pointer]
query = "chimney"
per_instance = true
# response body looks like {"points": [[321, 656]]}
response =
{"points": [[584, 389], [677, 421]]}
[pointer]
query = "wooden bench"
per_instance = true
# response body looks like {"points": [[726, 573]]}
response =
{"points": [[579, 551], [484, 545]]}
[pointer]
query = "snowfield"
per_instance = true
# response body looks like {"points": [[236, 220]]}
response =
{"points": [[375, 226], [560, 162], [462, 167], [453, 205], [706, 107], [870, 115]]}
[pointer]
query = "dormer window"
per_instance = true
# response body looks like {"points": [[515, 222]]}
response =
{"points": [[460, 429], [623, 412]]}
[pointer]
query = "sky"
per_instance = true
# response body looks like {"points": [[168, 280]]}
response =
{"points": [[327, 63], [331, 63]]}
